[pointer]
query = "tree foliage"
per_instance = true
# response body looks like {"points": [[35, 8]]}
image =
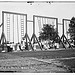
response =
{"points": [[72, 28], [48, 33]]}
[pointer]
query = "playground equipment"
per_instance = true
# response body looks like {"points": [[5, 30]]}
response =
{"points": [[14, 29], [39, 22], [65, 36], [13, 23]]}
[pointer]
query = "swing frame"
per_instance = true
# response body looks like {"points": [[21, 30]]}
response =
{"points": [[63, 35], [26, 35], [44, 17], [14, 13], [34, 35]]}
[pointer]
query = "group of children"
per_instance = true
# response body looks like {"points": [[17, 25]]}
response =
{"points": [[14, 47], [21, 47]]}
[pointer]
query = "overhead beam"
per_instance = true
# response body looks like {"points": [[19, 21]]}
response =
{"points": [[29, 21], [13, 13], [44, 17]]}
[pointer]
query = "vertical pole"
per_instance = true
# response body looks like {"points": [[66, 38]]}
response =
{"points": [[3, 29], [33, 24], [33, 28], [57, 25], [66, 30], [26, 29], [26, 24], [63, 29], [3, 21], [17, 29], [13, 28], [57, 28]]}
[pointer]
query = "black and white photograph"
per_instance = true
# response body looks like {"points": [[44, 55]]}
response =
{"points": [[37, 36]]}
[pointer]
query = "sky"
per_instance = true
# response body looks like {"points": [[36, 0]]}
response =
{"points": [[57, 10]]}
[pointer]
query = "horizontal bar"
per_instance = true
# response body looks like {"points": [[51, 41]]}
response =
{"points": [[13, 13], [69, 20], [44, 17], [60, 23], [29, 21]]}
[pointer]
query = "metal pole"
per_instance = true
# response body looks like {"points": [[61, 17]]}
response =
{"points": [[17, 29], [33, 24], [3, 30], [66, 30], [33, 29], [26, 29], [63, 29], [3, 21], [13, 28], [57, 25]]}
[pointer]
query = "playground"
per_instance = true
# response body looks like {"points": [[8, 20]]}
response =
{"points": [[15, 36], [22, 50], [27, 54]]}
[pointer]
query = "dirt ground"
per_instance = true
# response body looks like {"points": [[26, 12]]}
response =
{"points": [[10, 63], [38, 62]]}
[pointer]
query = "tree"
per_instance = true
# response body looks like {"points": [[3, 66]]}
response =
{"points": [[48, 33], [72, 29]]}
